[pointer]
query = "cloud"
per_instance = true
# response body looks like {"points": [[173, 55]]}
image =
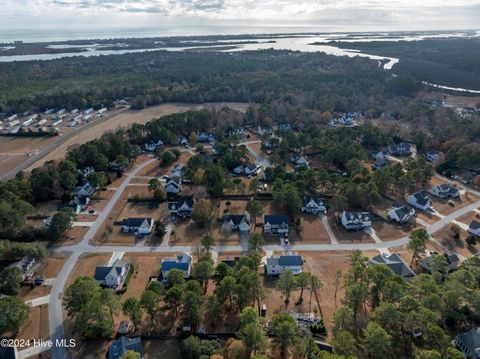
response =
{"points": [[361, 14]]}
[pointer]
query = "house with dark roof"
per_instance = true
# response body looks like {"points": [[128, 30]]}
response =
{"points": [[474, 228], [276, 225], [451, 259], [237, 132], [173, 184], [420, 200], [112, 276], [380, 155], [140, 225], [206, 137], [432, 156], [236, 222], [400, 213], [123, 345], [284, 127], [177, 170], [314, 205], [245, 169], [74, 206], [182, 262], [276, 265], [86, 190], [153, 145], [445, 190], [380, 163], [297, 159], [116, 166], [354, 221], [395, 263], [182, 207], [469, 343], [400, 149]]}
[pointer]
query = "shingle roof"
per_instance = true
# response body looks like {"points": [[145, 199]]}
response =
{"points": [[136, 222], [276, 219], [115, 270], [421, 197], [471, 339], [124, 344], [294, 260], [358, 216], [395, 263], [474, 225]]}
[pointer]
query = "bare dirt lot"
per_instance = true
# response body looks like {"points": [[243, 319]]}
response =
{"points": [[469, 217], [344, 236], [36, 325], [446, 206], [313, 231], [391, 231], [145, 265], [459, 245]]}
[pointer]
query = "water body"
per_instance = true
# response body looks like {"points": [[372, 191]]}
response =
{"points": [[456, 89]]}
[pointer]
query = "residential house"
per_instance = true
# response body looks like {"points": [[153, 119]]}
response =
{"points": [[173, 184], [122, 345], [474, 228], [81, 201], [140, 226], [347, 119], [182, 262], [400, 149], [182, 207], [445, 190], [356, 220], [395, 263], [314, 205], [297, 159], [276, 225], [112, 276], [432, 156], [116, 166], [177, 170], [284, 127], [84, 191], [246, 169], [206, 137], [264, 131], [276, 265], [237, 131], [153, 145], [87, 171], [420, 200], [451, 259], [380, 163], [400, 213], [182, 140], [25, 265], [74, 206], [237, 222], [469, 343]]}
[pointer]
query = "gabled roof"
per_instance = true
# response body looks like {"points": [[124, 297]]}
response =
{"points": [[357, 216], [451, 259], [114, 270], [318, 201], [181, 262], [395, 263], [137, 222], [180, 202], [236, 219], [276, 219], [421, 197], [474, 225], [401, 210], [471, 339], [124, 344]]}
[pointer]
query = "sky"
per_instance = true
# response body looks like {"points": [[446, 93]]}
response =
{"points": [[329, 15]]}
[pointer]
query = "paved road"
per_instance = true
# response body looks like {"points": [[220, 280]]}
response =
{"points": [[55, 310]]}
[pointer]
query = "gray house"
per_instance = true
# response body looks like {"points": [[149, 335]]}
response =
{"points": [[400, 213], [395, 263], [112, 276], [124, 344], [469, 343]]}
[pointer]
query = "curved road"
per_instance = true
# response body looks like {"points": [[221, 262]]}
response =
{"points": [[55, 309]]}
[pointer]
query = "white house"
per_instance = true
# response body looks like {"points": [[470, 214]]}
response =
{"points": [[356, 220], [298, 159], [112, 276], [173, 184], [140, 226], [25, 265], [276, 225], [400, 213], [420, 200], [245, 169], [314, 205], [474, 228], [153, 145], [182, 262], [432, 156], [182, 207], [86, 190], [278, 265], [206, 137], [444, 191], [236, 222], [400, 149], [264, 131]]}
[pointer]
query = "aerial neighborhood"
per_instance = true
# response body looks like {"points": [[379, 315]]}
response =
{"points": [[268, 204]]}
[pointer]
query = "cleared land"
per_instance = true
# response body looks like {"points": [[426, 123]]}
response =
{"points": [[14, 150]]}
